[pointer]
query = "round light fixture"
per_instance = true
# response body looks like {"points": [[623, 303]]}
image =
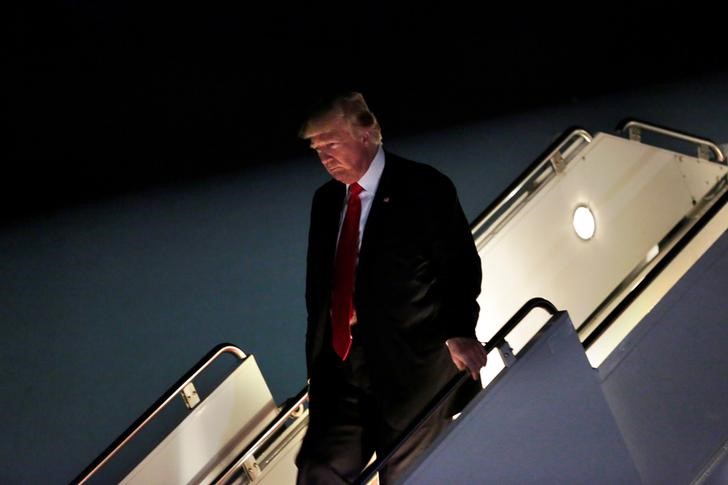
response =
{"points": [[584, 223]]}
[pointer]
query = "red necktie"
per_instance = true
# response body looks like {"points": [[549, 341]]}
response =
{"points": [[342, 295]]}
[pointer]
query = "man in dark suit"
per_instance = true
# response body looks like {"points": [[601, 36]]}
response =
{"points": [[391, 286]]}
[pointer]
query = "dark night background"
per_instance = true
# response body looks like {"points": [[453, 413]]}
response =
{"points": [[108, 97]]}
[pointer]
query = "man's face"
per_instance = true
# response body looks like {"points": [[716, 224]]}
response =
{"points": [[344, 155]]}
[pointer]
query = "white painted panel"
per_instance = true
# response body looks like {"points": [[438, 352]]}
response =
{"points": [[213, 433], [637, 193]]}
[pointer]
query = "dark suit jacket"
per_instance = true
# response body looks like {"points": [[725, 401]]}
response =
{"points": [[417, 281]]}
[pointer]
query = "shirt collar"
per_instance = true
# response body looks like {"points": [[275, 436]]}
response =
{"points": [[370, 180]]}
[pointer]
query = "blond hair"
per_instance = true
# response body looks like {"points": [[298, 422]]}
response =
{"points": [[351, 107]]}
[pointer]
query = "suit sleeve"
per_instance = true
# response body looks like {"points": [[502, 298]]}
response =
{"points": [[458, 266]]}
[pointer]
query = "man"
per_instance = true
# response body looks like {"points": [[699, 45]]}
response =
{"points": [[391, 285]]}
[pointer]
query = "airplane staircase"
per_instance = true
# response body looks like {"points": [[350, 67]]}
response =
{"points": [[626, 385]]}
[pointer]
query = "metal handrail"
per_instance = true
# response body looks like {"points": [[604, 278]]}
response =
{"points": [[454, 384], [553, 158], [155, 409], [288, 410], [701, 142]]}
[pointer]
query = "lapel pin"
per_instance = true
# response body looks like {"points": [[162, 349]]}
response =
{"points": [[385, 200]]}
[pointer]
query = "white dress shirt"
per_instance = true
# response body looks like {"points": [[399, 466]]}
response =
{"points": [[369, 182]]}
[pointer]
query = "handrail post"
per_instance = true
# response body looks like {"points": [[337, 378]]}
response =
{"points": [[506, 354]]}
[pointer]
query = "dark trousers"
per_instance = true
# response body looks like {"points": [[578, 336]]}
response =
{"points": [[346, 426]]}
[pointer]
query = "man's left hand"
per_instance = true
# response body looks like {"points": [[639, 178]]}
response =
{"points": [[467, 353]]}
